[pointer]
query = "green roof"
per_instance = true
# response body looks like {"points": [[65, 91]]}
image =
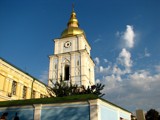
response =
{"points": [[74, 98]]}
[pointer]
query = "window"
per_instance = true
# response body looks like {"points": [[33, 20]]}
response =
{"points": [[33, 94], [77, 62], [14, 87], [55, 66], [41, 96], [24, 94], [66, 72]]}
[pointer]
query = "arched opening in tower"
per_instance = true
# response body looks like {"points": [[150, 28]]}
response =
{"points": [[66, 72]]}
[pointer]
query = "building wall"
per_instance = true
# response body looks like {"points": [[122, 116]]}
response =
{"points": [[24, 113], [109, 111], [78, 42], [77, 57], [25, 83], [96, 109], [140, 114], [65, 112]]}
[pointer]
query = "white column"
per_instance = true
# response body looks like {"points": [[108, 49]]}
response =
{"points": [[94, 112], [19, 90], [37, 111], [72, 67]]}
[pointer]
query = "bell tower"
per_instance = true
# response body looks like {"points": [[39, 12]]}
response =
{"points": [[71, 61]]}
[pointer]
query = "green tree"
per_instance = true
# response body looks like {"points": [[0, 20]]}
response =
{"points": [[94, 89], [62, 88], [152, 114]]}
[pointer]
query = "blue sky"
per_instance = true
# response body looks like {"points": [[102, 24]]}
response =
{"points": [[124, 36]]}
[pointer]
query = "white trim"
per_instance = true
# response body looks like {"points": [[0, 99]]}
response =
{"points": [[37, 111], [65, 104]]}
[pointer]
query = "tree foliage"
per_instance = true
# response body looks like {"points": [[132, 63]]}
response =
{"points": [[152, 114], [94, 89], [64, 89]]}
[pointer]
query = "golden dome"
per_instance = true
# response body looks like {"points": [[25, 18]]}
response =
{"points": [[73, 27]]}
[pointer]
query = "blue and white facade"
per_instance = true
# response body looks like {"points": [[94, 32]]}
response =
{"points": [[96, 109]]}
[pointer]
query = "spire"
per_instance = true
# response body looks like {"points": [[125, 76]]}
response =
{"points": [[72, 7], [73, 22], [72, 26]]}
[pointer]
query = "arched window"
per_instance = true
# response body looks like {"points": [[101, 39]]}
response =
{"points": [[66, 72], [14, 87], [24, 94]]}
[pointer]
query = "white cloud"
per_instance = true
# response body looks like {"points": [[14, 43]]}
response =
{"points": [[130, 88], [97, 40], [117, 71], [125, 58], [146, 53], [96, 61], [97, 80], [105, 60], [157, 67], [118, 34], [129, 37], [104, 69], [128, 41], [137, 90], [126, 85], [141, 80]]}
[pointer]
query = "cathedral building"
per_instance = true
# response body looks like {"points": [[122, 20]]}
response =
{"points": [[16, 84], [71, 61]]}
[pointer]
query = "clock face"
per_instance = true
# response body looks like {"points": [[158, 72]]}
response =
{"points": [[67, 44]]}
